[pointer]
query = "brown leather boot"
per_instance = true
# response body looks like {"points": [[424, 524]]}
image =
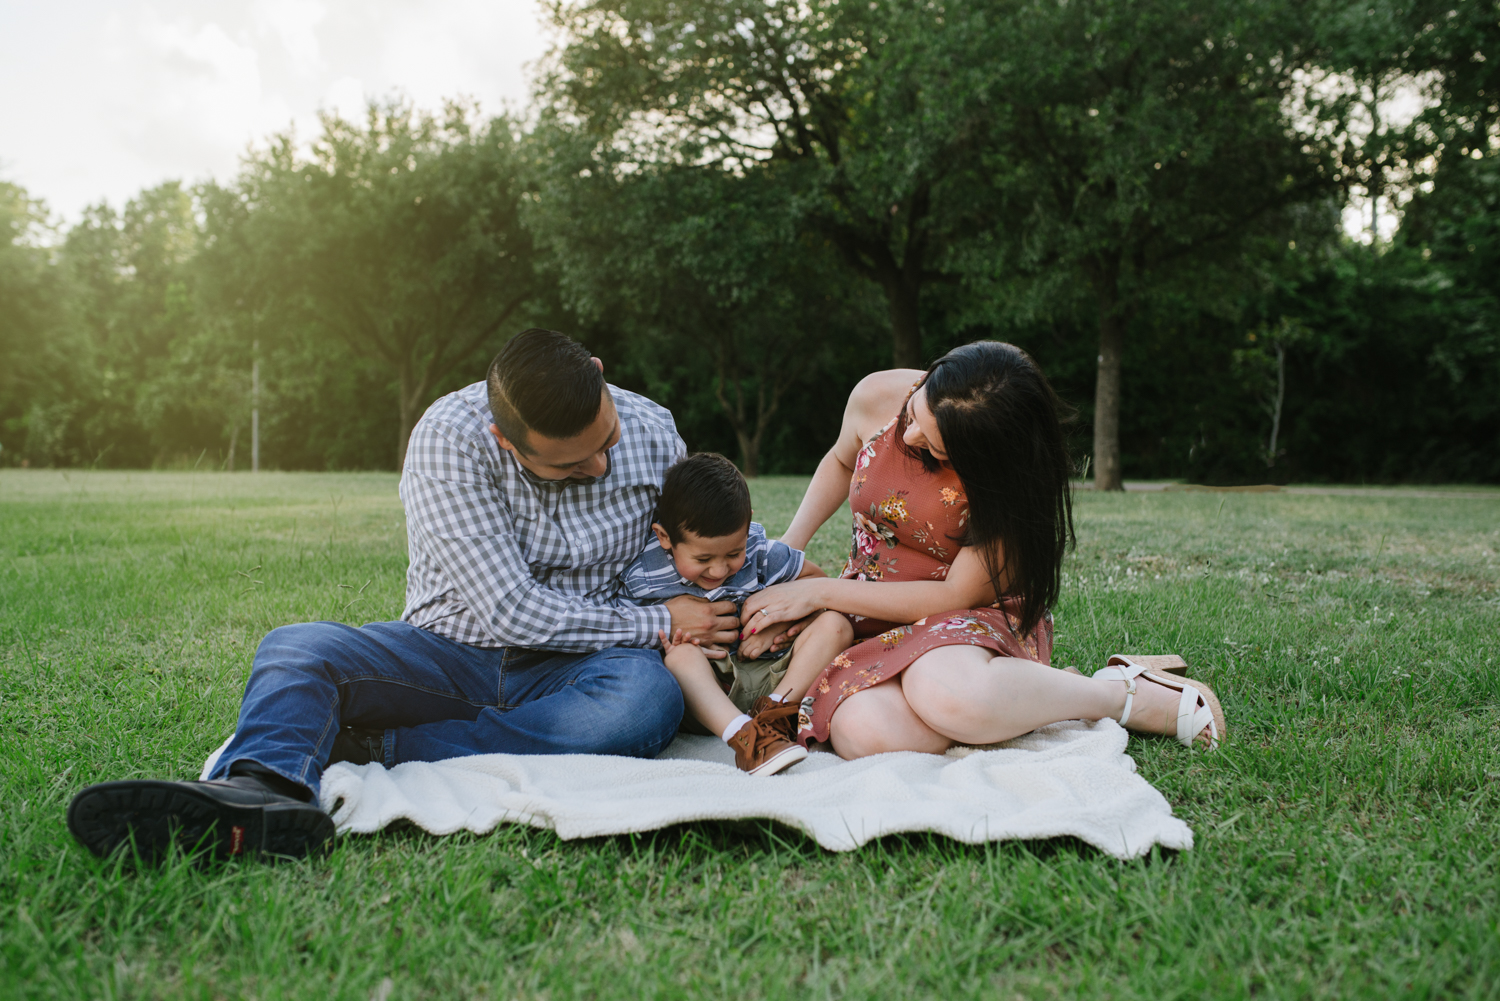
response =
{"points": [[781, 715], [760, 749]]}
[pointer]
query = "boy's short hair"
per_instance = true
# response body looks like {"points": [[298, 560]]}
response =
{"points": [[543, 381], [703, 494]]}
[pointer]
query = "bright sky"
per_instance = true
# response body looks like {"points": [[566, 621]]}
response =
{"points": [[106, 97]]}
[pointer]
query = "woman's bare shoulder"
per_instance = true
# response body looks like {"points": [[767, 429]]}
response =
{"points": [[878, 397]]}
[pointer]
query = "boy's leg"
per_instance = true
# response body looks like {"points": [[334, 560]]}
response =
{"points": [[700, 688], [760, 748], [615, 701], [827, 636]]}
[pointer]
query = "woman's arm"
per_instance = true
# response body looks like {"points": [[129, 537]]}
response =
{"points": [[966, 586], [872, 404], [828, 489]]}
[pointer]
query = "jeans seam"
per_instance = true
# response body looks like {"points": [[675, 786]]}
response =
{"points": [[501, 703], [328, 724]]}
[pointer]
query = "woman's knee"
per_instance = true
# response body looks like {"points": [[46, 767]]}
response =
{"points": [[935, 688], [879, 720]]}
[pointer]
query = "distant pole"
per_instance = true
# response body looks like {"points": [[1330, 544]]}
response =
{"points": [[255, 410]]}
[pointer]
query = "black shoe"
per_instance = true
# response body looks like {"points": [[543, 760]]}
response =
{"points": [[358, 746], [234, 816]]}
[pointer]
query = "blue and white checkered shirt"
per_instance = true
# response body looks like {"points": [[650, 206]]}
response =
{"points": [[654, 578], [502, 558]]}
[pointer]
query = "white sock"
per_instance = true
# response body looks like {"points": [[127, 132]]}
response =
{"points": [[776, 698], [734, 727]]}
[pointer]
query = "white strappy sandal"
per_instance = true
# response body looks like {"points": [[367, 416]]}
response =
{"points": [[1198, 707]]}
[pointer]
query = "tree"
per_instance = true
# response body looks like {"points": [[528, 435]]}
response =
{"points": [[399, 237], [35, 329], [717, 300], [830, 95], [1141, 148]]}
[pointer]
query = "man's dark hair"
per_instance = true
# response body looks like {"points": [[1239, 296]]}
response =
{"points": [[703, 494], [543, 381]]}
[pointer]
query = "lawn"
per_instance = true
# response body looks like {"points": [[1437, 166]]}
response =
{"points": [[1346, 835]]}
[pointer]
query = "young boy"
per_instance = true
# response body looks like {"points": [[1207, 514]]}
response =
{"points": [[706, 545]]}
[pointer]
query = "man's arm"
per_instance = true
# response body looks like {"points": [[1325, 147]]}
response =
{"points": [[462, 524]]}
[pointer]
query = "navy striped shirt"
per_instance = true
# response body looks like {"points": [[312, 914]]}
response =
{"points": [[652, 578]]}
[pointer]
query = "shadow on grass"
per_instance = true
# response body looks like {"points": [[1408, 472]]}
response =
{"points": [[750, 840]]}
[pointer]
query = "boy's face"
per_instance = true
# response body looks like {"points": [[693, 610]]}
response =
{"points": [[705, 562]]}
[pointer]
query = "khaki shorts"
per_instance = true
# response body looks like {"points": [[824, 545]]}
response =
{"points": [[744, 681]]}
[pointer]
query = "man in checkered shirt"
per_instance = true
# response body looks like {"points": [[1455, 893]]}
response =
{"points": [[525, 496]]}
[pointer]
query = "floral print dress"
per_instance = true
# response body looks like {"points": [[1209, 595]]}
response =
{"points": [[907, 521]]}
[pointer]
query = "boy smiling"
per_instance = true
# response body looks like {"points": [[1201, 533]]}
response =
{"points": [[704, 544]]}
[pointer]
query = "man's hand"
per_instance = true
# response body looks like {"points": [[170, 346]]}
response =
{"points": [[709, 624]]}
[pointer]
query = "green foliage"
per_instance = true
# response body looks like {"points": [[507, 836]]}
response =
{"points": [[835, 101], [744, 206], [714, 304], [397, 240], [34, 327]]}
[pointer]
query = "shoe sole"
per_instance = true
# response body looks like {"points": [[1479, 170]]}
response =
{"points": [[1163, 663], [154, 815], [781, 759]]}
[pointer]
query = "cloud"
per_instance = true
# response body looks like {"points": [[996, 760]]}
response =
{"points": [[106, 97]]}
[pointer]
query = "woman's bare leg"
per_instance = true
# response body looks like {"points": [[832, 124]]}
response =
{"points": [[974, 697], [879, 719], [971, 695], [965, 694]]}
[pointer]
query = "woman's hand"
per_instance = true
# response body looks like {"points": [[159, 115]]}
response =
{"points": [[789, 602]]}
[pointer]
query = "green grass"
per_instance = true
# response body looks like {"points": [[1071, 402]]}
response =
{"points": [[1346, 836]]}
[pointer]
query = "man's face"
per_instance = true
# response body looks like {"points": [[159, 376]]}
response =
{"points": [[585, 456], [707, 562]]}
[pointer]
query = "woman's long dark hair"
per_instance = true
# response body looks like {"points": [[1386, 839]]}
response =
{"points": [[1001, 424]]}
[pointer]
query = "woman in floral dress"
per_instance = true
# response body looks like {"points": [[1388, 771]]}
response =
{"points": [[958, 481]]}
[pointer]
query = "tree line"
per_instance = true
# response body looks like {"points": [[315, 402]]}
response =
{"points": [[743, 206]]}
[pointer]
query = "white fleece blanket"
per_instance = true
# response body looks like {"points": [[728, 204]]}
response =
{"points": [[1065, 779]]}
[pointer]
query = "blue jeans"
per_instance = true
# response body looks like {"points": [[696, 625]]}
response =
{"points": [[436, 698]]}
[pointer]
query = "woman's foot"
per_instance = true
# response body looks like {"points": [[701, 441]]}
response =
{"points": [[1165, 704]]}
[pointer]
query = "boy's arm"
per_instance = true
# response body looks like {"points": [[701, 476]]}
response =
{"points": [[810, 569]]}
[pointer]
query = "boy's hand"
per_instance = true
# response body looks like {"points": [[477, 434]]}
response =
{"points": [[680, 637], [765, 639], [784, 639]]}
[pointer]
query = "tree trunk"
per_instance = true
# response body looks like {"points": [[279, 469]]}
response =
{"points": [[749, 454], [1107, 389], [903, 299], [1276, 404]]}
